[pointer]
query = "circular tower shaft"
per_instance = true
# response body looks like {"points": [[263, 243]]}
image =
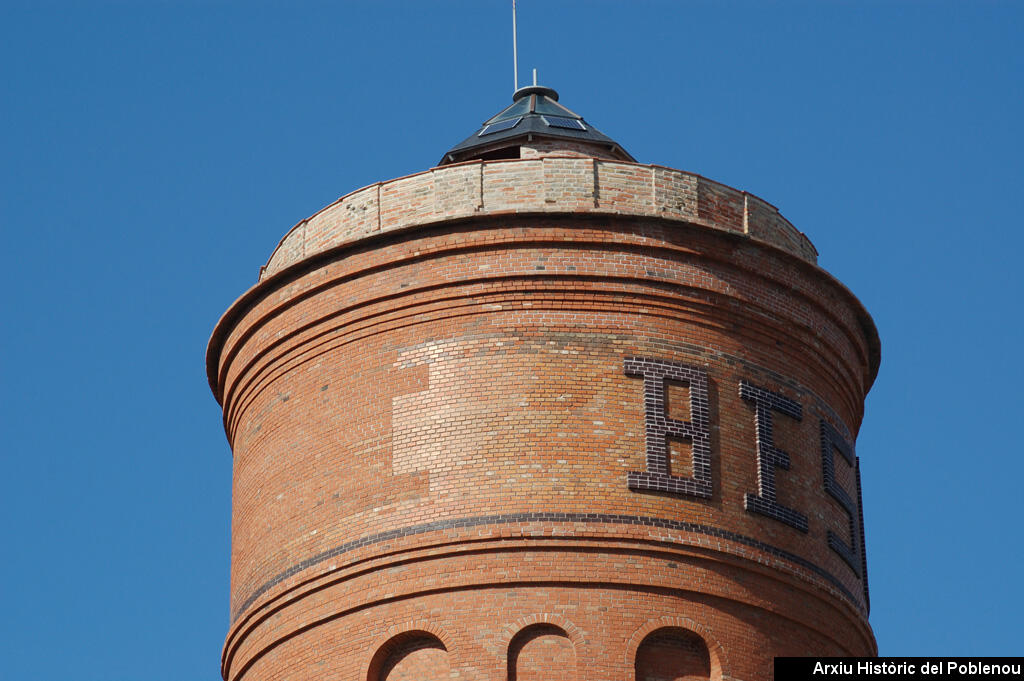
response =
{"points": [[548, 417]]}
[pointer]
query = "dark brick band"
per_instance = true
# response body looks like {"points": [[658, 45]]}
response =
{"points": [[541, 517], [770, 457], [660, 428]]}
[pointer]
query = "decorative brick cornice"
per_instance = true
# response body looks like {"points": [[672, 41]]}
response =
{"points": [[546, 517]]}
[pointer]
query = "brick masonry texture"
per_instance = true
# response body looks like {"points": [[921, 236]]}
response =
{"points": [[660, 427], [770, 457], [852, 550], [534, 183], [505, 420]]}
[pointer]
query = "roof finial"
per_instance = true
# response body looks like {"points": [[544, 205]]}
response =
{"points": [[515, 50], [535, 77]]}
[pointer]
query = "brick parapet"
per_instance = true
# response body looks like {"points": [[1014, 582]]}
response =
{"points": [[550, 184]]}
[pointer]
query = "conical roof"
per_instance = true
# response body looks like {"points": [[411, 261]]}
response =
{"points": [[535, 114]]}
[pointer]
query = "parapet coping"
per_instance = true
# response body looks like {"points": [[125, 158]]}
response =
{"points": [[548, 184]]}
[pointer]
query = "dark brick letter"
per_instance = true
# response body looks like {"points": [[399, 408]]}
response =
{"points": [[770, 457], [660, 427], [853, 553]]}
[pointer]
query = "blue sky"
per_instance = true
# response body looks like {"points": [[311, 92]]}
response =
{"points": [[153, 153]]}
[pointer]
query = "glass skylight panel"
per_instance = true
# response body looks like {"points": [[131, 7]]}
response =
{"points": [[562, 122], [519, 108], [499, 126], [546, 105]]}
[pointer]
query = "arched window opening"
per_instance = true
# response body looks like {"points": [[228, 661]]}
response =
{"points": [[540, 653], [673, 654], [412, 656]]}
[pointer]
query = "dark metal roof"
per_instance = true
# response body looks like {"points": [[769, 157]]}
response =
{"points": [[535, 113]]}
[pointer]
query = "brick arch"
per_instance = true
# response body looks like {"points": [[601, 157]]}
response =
{"points": [[427, 634], [720, 668], [513, 629], [541, 650]]}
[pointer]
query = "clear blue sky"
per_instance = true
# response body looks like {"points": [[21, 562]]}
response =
{"points": [[152, 153]]}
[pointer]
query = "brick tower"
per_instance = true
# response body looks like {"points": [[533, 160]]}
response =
{"points": [[543, 412]]}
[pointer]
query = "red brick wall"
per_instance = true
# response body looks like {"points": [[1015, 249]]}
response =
{"points": [[433, 430], [541, 652], [672, 654], [411, 656]]}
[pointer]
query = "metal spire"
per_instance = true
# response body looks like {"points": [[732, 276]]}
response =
{"points": [[515, 50]]}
